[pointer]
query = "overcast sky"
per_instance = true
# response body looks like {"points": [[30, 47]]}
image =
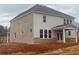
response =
{"points": [[9, 11]]}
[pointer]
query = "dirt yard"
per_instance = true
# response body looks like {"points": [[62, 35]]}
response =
{"points": [[25, 49], [73, 50]]}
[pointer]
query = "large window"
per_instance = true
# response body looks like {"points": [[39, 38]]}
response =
{"points": [[41, 33], [44, 19], [45, 33], [69, 33], [49, 33]]}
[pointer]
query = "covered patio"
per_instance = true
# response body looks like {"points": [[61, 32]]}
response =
{"points": [[65, 33]]}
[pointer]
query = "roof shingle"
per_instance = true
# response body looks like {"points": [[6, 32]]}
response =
{"points": [[45, 10]]}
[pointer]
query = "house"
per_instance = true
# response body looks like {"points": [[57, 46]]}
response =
{"points": [[41, 24]]}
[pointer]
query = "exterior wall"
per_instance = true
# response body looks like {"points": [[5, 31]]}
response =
{"points": [[72, 37], [38, 40], [53, 40], [51, 21], [22, 26], [70, 40], [73, 34]]}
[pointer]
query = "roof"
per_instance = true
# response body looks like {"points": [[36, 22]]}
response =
{"points": [[64, 26], [45, 10]]}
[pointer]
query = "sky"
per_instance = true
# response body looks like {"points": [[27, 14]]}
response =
{"points": [[9, 11]]}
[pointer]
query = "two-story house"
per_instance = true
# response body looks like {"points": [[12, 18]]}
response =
{"points": [[41, 24]]}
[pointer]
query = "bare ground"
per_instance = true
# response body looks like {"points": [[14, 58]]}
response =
{"points": [[34, 49], [74, 50]]}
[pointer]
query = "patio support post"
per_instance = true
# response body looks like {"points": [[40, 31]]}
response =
{"points": [[7, 37], [64, 36], [76, 37]]}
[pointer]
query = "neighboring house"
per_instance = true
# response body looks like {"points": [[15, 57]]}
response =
{"points": [[41, 24]]}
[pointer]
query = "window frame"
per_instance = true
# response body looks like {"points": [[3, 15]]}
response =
{"points": [[41, 33], [22, 32], [49, 33], [15, 34], [44, 19], [70, 21], [30, 30], [45, 33], [69, 33], [67, 21], [64, 21]]}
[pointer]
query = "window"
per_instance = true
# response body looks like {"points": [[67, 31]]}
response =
{"points": [[15, 34], [30, 30], [67, 21], [69, 33], [64, 21], [49, 33], [41, 33], [70, 21], [45, 33], [57, 36], [44, 18], [22, 32]]}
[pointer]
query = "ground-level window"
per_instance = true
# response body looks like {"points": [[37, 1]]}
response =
{"points": [[49, 33], [30, 30], [69, 33], [41, 33], [45, 33], [15, 34], [22, 32], [57, 36]]}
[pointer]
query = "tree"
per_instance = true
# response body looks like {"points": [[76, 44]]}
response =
{"points": [[1, 30]]}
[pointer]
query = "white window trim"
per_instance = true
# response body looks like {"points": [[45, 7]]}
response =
{"points": [[47, 34]]}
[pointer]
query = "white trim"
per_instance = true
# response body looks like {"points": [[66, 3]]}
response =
{"points": [[47, 34]]}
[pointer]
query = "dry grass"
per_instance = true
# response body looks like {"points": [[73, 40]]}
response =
{"points": [[21, 48], [73, 50]]}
